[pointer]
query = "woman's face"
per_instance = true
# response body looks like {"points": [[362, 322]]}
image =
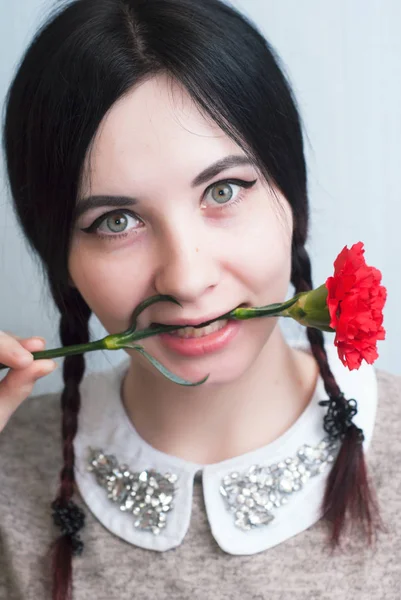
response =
{"points": [[211, 244]]}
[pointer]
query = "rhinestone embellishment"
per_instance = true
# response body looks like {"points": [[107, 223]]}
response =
{"points": [[147, 494], [254, 494]]}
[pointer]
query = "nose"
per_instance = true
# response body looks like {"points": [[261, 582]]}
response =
{"points": [[186, 270]]}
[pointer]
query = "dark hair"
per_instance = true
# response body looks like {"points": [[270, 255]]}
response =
{"points": [[87, 55]]}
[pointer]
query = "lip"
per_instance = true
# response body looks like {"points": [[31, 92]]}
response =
{"points": [[204, 345]]}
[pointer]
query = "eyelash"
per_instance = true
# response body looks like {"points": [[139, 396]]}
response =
{"points": [[230, 204]]}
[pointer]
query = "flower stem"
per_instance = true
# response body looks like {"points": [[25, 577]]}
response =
{"points": [[67, 351], [127, 339]]}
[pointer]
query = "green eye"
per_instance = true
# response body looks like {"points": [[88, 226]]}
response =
{"points": [[118, 220], [222, 192]]}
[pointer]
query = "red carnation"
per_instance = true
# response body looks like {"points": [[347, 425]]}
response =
{"points": [[356, 300]]}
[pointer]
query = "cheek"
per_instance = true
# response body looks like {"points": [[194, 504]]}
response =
{"points": [[264, 258], [111, 287], [273, 271]]}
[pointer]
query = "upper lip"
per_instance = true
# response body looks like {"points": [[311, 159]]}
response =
{"points": [[193, 322]]}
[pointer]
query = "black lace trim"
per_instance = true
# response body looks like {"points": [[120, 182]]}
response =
{"points": [[338, 419]]}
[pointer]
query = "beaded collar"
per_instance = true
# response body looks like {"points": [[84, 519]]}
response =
{"points": [[253, 501]]}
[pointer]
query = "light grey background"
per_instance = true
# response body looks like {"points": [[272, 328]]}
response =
{"points": [[344, 61]]}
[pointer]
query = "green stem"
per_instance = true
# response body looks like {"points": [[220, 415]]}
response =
{"points": [[271, 310], [67, 351], [128, 338], [115, 341]]}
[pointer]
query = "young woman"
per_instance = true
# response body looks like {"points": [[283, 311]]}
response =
{"points": [[155, 147]]}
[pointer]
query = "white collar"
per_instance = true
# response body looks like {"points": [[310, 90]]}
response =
{"points": [[103, 423]]}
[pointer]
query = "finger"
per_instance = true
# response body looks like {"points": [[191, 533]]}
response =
{"points": [[17, 353]]}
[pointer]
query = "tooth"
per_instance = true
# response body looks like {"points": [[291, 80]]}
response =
{"points": [[192, 332]]}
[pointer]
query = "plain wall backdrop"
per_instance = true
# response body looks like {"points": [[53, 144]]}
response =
{"points": [[344, 62]]}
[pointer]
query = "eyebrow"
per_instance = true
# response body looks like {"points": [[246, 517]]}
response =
{"points": [[91, 202]]}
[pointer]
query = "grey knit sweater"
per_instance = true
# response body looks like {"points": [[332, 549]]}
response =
{"points": [[300, 568]]}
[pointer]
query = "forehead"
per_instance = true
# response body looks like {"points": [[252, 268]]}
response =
{"points": [[156, 128]]}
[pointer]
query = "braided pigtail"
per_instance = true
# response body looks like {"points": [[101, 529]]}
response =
{"points": [[67, 515], [349, 497]]}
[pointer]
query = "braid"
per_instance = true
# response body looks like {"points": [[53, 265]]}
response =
{"points": [[349, 498], [74, 329]]}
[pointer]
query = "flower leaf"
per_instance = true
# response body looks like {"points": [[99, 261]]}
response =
{"points": [[166, 372]]}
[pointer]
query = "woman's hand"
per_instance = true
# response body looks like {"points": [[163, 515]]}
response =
{"points": [[15, 352]]}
